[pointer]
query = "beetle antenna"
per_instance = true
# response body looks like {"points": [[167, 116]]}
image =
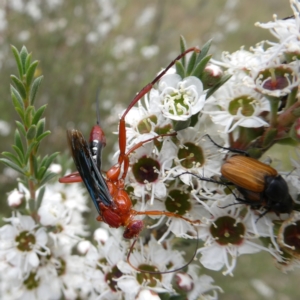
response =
{"points": [[202, 178], [263, 214], [227, 148], [164, 272]]}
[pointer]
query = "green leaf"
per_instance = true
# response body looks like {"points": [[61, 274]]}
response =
{"points": [[191, 63], [20, 154], [31, 204], [178, 297], [204, 51], [23, 56], [180, 125], [16, 97], [218, 85], [28, 115], [29, 151], [12, 165], [20, 113], [38, 114], [296, 112], [40, 127], [18, 60], [47, 161], [182, 49], [41, 173], [20, 86], [201, 66], [48, 176], [40, 137], [27, 62], [21, 128], [13, 158], [30, 72], [35, 85], [35, 166], [180, 69], [269, 137], [18, 141], [40, 196], [31, 132]]}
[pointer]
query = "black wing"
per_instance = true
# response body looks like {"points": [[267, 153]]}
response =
{"points": [[86, 166]]}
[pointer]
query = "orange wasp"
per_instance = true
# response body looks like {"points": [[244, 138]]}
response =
{"points": [[108, 194]]}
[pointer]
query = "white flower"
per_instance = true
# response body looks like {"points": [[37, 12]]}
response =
{"points": [[55, 168], [100, 266], [22, 242], [274, 79], [144, 123], [154, 257], [62, 208], [5, 128], [15, 198], [180, 202], [72, 196], [234, 104], [227, 235], [239, 62], [195, 155], [148, 166], [178, 98], [68, 225], [198, 287], [147, 295], [286, 31]]}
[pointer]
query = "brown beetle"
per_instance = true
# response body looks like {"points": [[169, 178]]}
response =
{"points": [[260, 184]]}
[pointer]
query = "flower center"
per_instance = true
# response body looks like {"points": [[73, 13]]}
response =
{"points": [[192, 156], [31, 282], [109, 278], [25, 241], [292, 236], [151, 279], [178, 202], [62, 267], [177, 102], [244, 104], [146, 169], [226, 231], [275, 79], [144, 126]]}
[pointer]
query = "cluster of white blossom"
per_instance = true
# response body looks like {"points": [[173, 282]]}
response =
{"points": [[47, 256]]}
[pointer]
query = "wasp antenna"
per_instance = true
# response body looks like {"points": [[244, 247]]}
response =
{"points": [[164, 272], [97, 107]]}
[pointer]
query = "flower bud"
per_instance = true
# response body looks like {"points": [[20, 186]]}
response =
{"points": [[15, 198], [211, 75]]}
